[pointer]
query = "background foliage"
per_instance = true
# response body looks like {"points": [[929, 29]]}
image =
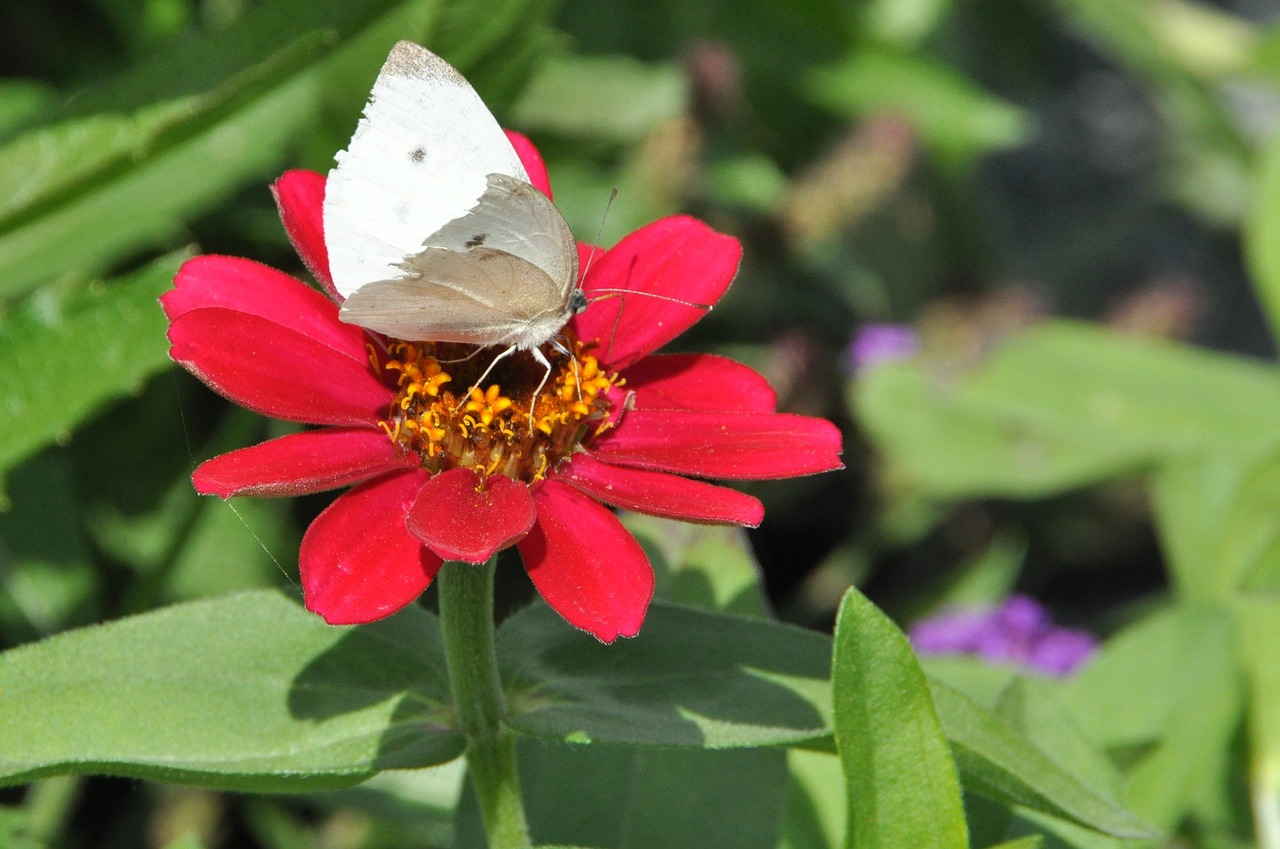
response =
{"points": [[972, 167]]}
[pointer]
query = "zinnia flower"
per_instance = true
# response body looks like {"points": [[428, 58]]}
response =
{"points": [[1019, 631], [445, 470]]}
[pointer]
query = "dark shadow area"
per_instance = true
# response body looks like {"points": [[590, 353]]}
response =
{"points": [[689, 679]]}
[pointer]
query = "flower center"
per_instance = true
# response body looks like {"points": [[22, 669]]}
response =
{"points": [[442, 414]]}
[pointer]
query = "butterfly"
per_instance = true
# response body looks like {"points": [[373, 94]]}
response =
{"points": [[433, 229]]}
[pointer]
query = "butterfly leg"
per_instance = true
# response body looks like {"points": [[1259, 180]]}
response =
{"points": [[546, 374], [496, 360], [577, 378]]}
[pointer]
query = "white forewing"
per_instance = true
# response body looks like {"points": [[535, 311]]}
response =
{"points": [[419, 159]]}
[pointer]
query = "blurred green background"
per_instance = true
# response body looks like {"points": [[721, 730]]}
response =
{"points": [[969, 167]]}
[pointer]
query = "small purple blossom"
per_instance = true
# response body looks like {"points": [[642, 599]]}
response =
{"points": [[882, 343], [1016, 632]]}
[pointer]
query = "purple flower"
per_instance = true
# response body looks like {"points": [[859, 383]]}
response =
{"points": [[1017, 632], [882, 343]]}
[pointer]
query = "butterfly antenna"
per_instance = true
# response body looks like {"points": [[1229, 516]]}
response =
{"points": [[595, 243]]}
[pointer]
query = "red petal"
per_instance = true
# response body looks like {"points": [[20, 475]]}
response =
{"points": [[722, 445], [458, 520], [532, 161], [586, 565], [358, 561], [678, 257], [274, 370], [300, 198], [250, 287], [698, 382], [300, 463], [660, 494]]}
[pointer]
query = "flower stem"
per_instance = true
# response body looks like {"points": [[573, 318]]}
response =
{"points": [[466, 616]]}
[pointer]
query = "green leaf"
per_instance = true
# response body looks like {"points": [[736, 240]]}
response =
{"points": [[1062, 405], [1167, 689], [707, 566], [611, 98], [1262, 235], [402, 807], [904, 22], [21, 101], [112, 331], [1032, 706], [692, 678], [901, 782], [956, 118], [1031, 841], [98, 188], [1219, 520], [48, 580], [248, 692], [728, 799], [1258, 622], [816, 809], [998, 762]]}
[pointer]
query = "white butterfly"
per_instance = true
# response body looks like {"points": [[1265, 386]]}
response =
{"points": [[433, 229]]}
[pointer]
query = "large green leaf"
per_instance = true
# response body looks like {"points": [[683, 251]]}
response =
{"points": [[68, 350], [249, 692], [901, 782], [692, 678], [1061, 405]]}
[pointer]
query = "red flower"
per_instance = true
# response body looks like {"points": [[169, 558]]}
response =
{"points": [[446, 472]]}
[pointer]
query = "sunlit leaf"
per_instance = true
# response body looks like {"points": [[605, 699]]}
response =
{"points": [[901, 782], [250, 692]]}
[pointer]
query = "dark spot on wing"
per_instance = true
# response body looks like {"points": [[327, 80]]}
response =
{"points": [[418, 154], [477, 240]]}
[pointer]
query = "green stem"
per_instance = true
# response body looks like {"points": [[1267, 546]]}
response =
{"points": [[466, 616]]}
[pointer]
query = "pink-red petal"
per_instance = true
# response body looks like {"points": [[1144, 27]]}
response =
{"points": [[660, 494], [274, 370], [300, 463], [722, 445], [251, 287], [677, 257], [300, 198], [698, 382], [358, 561], [531, 160], [586, 565], [458, 520]]}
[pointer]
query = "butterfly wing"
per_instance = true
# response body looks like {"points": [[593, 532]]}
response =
{"points": [[419, 159], [503, 273], [481, 296], [514, 217]]}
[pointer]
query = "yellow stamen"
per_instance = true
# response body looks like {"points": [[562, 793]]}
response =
{"points": [[501, 428]]}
